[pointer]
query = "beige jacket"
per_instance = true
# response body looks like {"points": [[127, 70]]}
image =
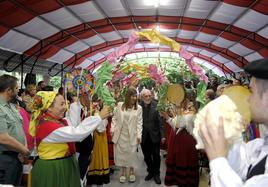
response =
{"points": [[134, 124]]}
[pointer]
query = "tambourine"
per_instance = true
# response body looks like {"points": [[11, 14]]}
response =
{"points": [[240, 95], [175, 94]]}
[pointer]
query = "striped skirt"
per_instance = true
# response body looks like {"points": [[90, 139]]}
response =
{"points": [[98, 170]]}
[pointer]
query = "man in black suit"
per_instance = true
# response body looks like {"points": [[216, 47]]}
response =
{"points": [[152, 135]]}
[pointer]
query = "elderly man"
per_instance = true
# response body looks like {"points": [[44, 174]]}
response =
{"points": [[246, 163], [152, 134], [12, 139]]}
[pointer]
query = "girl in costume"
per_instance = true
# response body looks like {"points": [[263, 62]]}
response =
{"points": [[98, 169], [182, 157], [126, 133], [57, 165]]}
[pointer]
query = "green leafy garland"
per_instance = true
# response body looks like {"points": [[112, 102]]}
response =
{"points": [[201, 91], [103, 75], [162, 98], [176, 71]]}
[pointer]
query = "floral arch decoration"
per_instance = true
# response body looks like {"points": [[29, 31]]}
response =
{"points": [[110, 71]]}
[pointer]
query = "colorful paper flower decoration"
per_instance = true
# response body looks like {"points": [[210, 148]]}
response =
{"points": [[79, 81], [156, 37]]}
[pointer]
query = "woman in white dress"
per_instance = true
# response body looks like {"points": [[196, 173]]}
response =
{"points": [[126, 133]]}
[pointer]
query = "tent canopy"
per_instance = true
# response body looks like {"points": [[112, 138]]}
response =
{"points": [[63, 34]]}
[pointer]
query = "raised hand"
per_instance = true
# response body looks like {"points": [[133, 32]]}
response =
{"points": [[164, 115], [105, 112], [213, 138]]}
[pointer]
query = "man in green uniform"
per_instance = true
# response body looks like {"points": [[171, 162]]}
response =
{"points": [[12, 139]]}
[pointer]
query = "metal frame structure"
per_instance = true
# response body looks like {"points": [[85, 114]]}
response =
{"points": [[174, 22]]}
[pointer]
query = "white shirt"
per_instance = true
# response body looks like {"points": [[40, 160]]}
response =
{"points": [[74, 134], [73, 116], [231, 172], [76, 130]]}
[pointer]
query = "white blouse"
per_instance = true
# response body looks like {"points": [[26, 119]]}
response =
{"points": [[76, 130], [184, 121], [74, 134]]}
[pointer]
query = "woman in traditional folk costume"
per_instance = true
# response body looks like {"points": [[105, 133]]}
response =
{"points": [[182, 156], [126, 133], [57, 165], [98, 169]]}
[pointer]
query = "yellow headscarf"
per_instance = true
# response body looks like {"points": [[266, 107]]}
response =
{"points": [[41, 102]]}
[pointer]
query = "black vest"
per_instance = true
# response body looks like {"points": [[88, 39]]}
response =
{"points": [[258, 169]]}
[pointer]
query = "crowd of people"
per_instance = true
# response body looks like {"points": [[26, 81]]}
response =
{"points": [[68, 138]]}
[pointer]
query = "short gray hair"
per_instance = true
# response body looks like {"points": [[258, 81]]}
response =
{"points": [[144, 91]]}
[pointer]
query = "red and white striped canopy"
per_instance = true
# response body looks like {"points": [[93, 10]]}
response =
{"points": [[226, 33]]}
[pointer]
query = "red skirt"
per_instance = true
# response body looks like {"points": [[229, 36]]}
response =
{"points": [[182, 160], [110, 143], [167, 132]]}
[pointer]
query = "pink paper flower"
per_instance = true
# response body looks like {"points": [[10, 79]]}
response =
{"points": [[117, 75], [156, 75], [195, 68], [123, 49], [126, 80]]}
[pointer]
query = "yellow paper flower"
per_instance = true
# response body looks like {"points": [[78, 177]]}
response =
{"points": [[156, 37]]}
